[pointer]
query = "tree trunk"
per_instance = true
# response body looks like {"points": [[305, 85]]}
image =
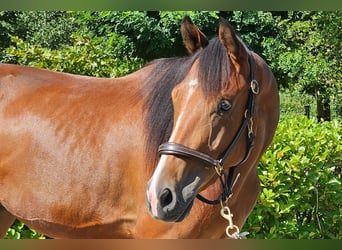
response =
{"points": [[323, 109]]}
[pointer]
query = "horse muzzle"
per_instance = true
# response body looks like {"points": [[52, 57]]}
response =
{"points": [[168, 203]]}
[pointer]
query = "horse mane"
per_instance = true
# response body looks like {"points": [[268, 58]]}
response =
{"points": [[213, 72]]}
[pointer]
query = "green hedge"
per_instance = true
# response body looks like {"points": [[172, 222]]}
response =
{"points": [[20, 231], [86, 56], [300, 173]]}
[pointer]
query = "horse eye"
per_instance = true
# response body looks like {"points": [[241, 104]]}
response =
{"points": [[224, 105]]}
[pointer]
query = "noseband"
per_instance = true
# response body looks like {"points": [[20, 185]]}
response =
{"points": [[172, 148]]}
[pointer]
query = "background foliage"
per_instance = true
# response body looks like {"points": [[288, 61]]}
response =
{"points": [[85, 57], [300, 172], [300, 177]]}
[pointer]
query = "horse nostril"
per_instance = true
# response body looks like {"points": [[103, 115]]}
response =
{"points": [[165, 197]]}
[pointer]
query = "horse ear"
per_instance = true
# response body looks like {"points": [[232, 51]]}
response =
{"points": [[193, 38], [230, 41]]}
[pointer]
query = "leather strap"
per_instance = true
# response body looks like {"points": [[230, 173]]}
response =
{"points": [[172, 148]]}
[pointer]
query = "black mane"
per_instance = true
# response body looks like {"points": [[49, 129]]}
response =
{"points": [[213, 72]]}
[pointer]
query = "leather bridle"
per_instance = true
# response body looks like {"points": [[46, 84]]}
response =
{"points": [[172, 148]]}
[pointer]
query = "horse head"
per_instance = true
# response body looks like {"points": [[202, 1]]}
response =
{"points": [[212, 128]]}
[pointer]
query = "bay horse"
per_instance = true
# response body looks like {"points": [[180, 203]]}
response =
{"points": [[87, 157]]}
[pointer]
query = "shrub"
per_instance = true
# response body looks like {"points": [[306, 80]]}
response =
{"points": [[20, 231], [86, 56], [300, 177]]}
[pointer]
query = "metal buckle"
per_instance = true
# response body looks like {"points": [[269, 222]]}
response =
{"points": [[219, 168], [255, 86]]}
